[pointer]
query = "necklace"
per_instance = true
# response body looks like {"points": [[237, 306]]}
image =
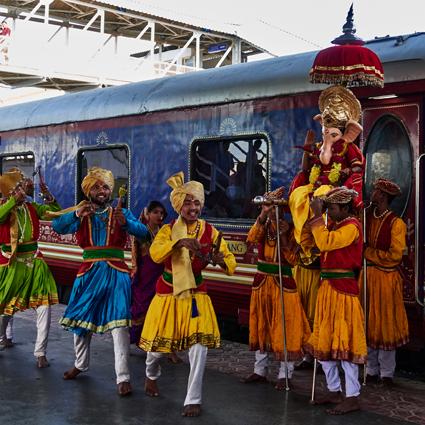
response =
{"points": [[101, 212], [270, 236], [152, 232], [380, 215], [195, 230], [22, 227]]}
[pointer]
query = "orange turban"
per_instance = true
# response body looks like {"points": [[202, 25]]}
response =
{"points": [[9, 180], [181, 189], [97, 174], [388, 187]]}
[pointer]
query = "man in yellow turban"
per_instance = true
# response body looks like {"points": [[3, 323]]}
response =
{"points": [[25, 279], [181, 315], [101, 294]]}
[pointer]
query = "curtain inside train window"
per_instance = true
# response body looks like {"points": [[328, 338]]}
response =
{"points": [[114, 158], [233, 171], [388, 155]]}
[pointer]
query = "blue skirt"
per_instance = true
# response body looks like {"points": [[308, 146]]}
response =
{"points": [[99, 302]]}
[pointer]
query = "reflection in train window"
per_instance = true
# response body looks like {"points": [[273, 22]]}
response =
{"points": [[233, 170], [389, 155], [114, 158], [23, 161]]}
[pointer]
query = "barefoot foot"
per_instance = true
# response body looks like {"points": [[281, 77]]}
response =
{"points": [[281, 384], [124, 389], [151, 388], [42, 362], [329, 398], [350, 404], [253, 378], [71, 373], [191, 410]]}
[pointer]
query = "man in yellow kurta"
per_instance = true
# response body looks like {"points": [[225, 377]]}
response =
{"points": [[387, 326], [181, 315], [265, 318], [338, 333]]}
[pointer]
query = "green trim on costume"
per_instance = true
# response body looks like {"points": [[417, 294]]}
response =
{"points": [[22, 248], [273, 268], [337, 275], [168, 277], [102, 253]]}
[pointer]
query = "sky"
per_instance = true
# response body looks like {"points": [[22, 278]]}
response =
{"points": [[285, 27]]}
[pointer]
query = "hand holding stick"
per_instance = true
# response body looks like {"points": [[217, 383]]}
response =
{"points": [[118, 214]]}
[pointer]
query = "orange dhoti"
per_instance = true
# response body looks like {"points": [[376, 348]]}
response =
{"points": [[387, 325], [338, 332], [265, 323]]}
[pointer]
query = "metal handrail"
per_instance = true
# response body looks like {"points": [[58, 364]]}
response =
{"points": [[417, 235]]}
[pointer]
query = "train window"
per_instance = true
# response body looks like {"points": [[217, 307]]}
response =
{"points": [[114, 158], [389, 155], [233, 170], [24, 161]]}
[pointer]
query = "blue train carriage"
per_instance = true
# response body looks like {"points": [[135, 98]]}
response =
{"points": [[234, 129]]}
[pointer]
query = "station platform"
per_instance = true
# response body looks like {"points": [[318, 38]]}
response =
{"points": [[40, 396]]}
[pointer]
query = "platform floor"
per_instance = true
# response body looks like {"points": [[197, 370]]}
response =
{"points": [[37, 397]]}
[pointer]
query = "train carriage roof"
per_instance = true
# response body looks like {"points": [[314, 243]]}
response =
{"points": [[403, 58]]}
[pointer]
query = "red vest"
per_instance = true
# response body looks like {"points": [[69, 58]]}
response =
{"points": [[164, 287], [381, 241], [114, 239], [5, 231], [348, 258]]}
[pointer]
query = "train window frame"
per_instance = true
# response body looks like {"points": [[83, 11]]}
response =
{"points": [[230, 222], [79, 177], [381, 122], [16, 154]]}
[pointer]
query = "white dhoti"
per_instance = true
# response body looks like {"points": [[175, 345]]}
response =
{"points": [[197, 360], [9, 330], [44, 315], [333, 381], [4, 321], [380, 362], [121, 339], [262, 362]]}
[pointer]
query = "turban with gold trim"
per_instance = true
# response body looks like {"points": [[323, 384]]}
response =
{"points": [[9, 180], [275, 194], [387, 186], [182, 189], [94, 175], [340, 195]]}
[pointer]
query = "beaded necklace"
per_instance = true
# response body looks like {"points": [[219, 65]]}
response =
{"points": [[195, 231], [380, 215], [22, 227]]}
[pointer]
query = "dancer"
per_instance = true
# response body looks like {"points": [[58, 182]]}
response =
{"points": [[181, 315], [101, 295]]}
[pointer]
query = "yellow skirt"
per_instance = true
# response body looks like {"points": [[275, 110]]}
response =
{"points": [[387, 325], [265, 321], [308, 282], [169, 325], [338, 332]]}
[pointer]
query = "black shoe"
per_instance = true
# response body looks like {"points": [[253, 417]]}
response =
{"points": [[387, 382], [372, 379]]}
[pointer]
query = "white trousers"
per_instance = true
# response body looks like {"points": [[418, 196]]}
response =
{"points": [[197, 360], [121, 339], [351, 372], [262, 362], [9, 329], [44, 314], [380, 362]]}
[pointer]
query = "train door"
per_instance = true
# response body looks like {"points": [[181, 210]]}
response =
{"points": [[391, 147]]}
